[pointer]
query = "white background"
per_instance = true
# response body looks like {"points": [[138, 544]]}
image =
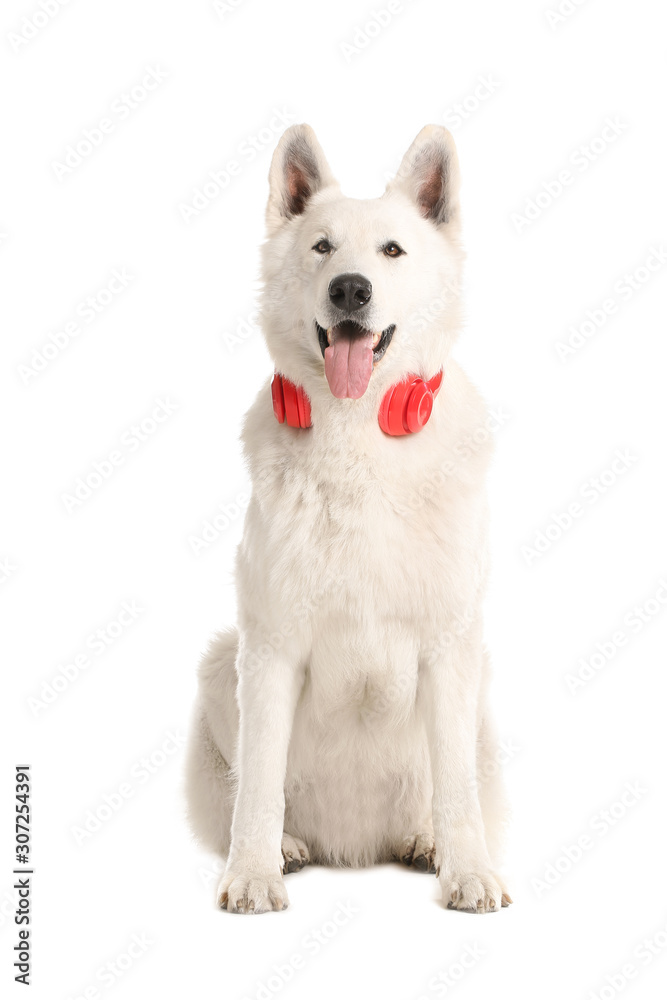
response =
{"points": [[169, 335]]}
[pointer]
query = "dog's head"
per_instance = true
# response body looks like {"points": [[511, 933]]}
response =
{"points": [[359, 293]]}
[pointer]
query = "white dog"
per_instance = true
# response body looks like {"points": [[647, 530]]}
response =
{"points": [[345, 721]]}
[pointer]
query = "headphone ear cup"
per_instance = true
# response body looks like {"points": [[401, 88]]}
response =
{"points": [[393, 410], [418, 407], [278, 397], [291, 405], [303, 405], [386, 413], [290, 402], [407, 406]]}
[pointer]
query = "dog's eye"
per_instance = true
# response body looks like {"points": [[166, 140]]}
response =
{"points": [[393, 250], [323, 246]]}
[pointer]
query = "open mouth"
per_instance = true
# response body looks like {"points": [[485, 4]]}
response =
{"points": [[350, 351]]}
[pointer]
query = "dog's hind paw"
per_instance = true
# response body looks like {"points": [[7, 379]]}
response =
{"points": [[418, 851], [295, 854]]}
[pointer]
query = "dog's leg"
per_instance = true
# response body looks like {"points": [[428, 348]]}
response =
{"points": [[492, 795], [449, 692], [268, 690]]}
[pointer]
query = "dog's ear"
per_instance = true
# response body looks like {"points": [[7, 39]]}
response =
{"points": [[429, 175], [298, 170]]}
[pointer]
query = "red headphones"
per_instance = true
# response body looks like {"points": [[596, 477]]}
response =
{"points": [[405, 409]]}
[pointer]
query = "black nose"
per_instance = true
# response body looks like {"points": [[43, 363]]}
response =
{"points": [[350, 291]]}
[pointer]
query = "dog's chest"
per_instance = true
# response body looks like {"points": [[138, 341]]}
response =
{"points": [[363, 580], [344, 537]]}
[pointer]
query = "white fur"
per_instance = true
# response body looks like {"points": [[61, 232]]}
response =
{"points": [[349, 707]]}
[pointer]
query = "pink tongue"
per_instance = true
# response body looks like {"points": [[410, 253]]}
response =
{"points": [[348, 364]]}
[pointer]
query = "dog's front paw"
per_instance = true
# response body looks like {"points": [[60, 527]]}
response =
{"points": [[251, 892], [480, 892]]}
